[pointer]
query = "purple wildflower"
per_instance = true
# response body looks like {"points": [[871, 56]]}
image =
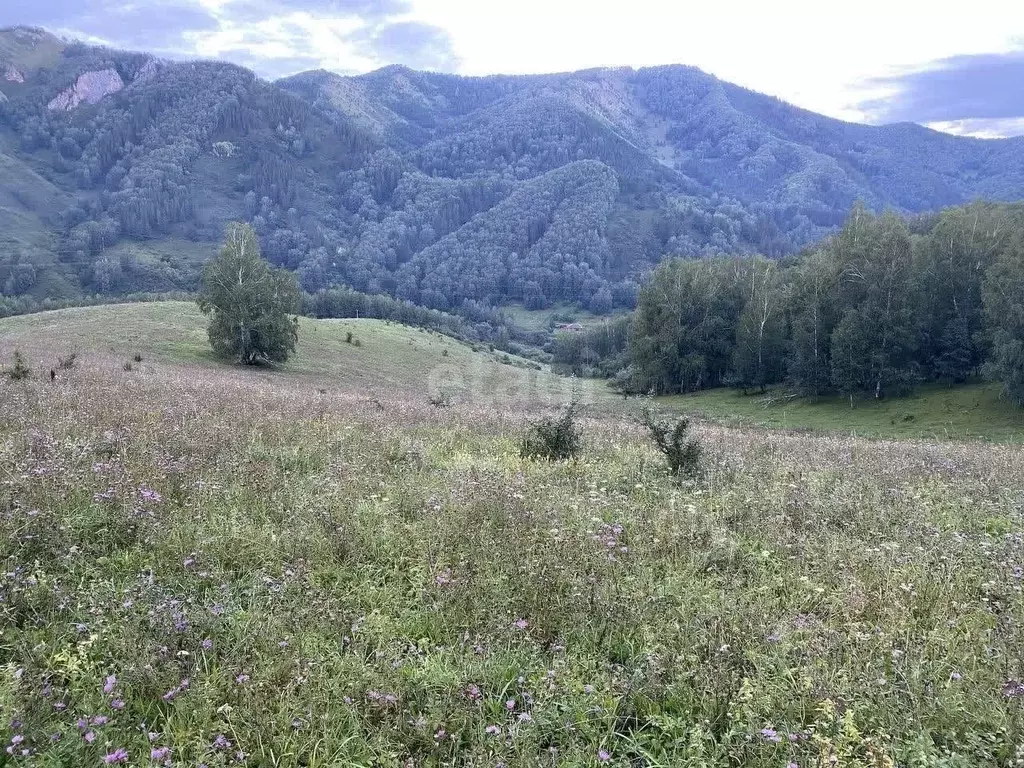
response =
{"points": [[159, 753], [117, 756], [100, 720], [148, 494], [492, 730], [771, 734], [520, 624], [108, 686], [221, 742], [207, 644], [89, 737], [1013, 689], [603, 756], [117, 704], [242, 679]]}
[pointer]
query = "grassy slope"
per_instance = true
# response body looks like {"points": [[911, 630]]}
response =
{"points": [[970, 411], [388, 355], [345, 583]]}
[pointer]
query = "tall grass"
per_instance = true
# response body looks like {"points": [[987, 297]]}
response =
{"points": [[204, 567]]}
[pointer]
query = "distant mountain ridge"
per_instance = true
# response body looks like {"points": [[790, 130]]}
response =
{"points": [[445, 190]]}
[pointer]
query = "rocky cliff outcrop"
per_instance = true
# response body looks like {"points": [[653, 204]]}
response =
{"points": [[13, 75], [90, 88]]}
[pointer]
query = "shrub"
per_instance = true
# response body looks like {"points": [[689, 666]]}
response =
{"points": [[137, 358], [67, 363], [348, 337], [555, 439], [671, 437], [19, 370], [440, 400]]}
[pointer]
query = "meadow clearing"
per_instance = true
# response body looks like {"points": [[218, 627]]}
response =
{"points": [[317, 567]]}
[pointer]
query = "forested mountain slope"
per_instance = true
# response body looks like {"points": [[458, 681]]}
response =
{"points": [[120, 171]]}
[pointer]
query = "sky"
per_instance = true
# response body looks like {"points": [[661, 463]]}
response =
{"points": [[957, 67]]}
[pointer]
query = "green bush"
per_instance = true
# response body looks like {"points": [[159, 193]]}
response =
{"points": [[555, 439], [19, 370], [671, 437]]}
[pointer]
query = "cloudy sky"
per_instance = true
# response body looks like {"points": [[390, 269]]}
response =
{"points": [[955, 66]]}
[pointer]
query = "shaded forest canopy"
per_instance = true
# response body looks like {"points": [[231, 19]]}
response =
{"points": [[453, 193], [885, 304]]}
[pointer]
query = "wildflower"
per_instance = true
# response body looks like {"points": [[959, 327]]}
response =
{"points": [[510, 704], [588, 689], [955, 676], [221, 742], [440, 734], [82, 724], [148, 494], [17, 739], [492, 730], [207, 644], [1013, 689], [242, 679], [283, 644], [159, 753], [108, 686], [89, 737], [770, 734], [100, 720], [117, 756], [520, 624], [117, 704], [525, 717], [603, 756]]}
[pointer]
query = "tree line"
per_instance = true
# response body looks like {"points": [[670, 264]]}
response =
{"points": [[884, 305]]}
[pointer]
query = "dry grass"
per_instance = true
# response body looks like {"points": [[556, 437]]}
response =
{"points": [[269, 575]]}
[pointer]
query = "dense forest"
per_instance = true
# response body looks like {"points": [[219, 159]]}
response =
{"points": [[454, 193], [883, 305]]}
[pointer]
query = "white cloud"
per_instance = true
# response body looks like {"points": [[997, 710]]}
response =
{"points": [[817, 55]]}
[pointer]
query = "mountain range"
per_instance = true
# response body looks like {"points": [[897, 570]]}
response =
{"points": [[120, 171]]}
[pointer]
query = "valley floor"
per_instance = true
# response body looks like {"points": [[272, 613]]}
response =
{"points": [[319, 568]]}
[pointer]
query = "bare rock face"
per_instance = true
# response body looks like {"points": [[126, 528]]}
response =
{"points": [[90, 88], [13, 75], [146, 72]]}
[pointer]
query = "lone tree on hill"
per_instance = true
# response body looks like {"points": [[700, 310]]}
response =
{"points": [[253, 305]]}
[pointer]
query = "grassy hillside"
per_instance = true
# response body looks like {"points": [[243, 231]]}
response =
{"points": [[382, 356], [267, 576], [973, 411]]}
